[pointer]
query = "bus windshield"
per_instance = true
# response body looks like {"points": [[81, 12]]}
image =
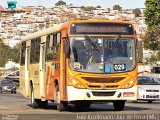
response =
{"points": [[102, 54]]}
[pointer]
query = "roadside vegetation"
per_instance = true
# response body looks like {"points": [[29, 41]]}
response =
{"points": [[152, 37], [8, 53]]}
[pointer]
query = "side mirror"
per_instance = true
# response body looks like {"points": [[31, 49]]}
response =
{"points": [[66, 47], [140, 51]]}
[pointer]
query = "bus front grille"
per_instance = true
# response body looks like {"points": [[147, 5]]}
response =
{"points": [[103, 93], [103, 80], [103, 86]]}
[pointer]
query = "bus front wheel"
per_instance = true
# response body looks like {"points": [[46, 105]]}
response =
{"points": [[35, 103], [61, 105], [119, 105]]}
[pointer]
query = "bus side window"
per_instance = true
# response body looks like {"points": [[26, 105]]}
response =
{"points": [[32, 51], [55, 40], [23, 51], [58, 38], [35, 50], [49, 48], [52, 44], [56, 46]]}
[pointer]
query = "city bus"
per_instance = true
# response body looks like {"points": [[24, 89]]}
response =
{"points": [[75, 63]]}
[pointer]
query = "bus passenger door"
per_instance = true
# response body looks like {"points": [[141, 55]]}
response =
{"points": [[42, 71], [27, 74]]}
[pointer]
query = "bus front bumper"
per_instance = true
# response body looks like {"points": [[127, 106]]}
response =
{"points": [[75, 94]]}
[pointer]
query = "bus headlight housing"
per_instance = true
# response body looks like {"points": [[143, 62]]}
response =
{"points": [[129, 83], [75, 83]]}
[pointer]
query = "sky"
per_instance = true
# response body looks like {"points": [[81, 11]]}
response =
{"points": [[125, 4]]}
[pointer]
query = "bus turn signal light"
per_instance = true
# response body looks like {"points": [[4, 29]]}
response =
{"points": [[76, 83], [129, 84]]}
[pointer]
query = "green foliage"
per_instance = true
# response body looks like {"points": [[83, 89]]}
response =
{"points": [[60, 3], [88, 8], [98, 6], [152, 39], [117, 7], [15, 54], [7, 53], [152, 13], [14, 69], [153, 59], [137, 12], [158, 55]]}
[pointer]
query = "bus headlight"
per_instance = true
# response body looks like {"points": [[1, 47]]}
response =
{"points": [[129, 83], [75, 83]]}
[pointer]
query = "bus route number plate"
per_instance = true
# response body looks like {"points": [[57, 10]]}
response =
{"points": [[119, 67]]}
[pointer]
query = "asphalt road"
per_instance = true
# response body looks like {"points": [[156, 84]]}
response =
{"points": [[16, 107]]}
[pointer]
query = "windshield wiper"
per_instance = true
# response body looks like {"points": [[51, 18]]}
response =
{"points": [[117, 39], [91, 42]]}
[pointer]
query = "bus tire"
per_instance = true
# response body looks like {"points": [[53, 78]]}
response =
{"points": [[0, 90], [35, 103], [61, 105], [119, 105], [44, 104]]}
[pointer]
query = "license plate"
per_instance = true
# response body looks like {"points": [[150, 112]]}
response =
{"points": [[153, 96]]}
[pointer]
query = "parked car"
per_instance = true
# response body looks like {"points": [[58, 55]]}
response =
{"points": [[7, 86], [148, 88]]}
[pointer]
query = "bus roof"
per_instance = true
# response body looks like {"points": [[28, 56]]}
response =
{"points": [[59, 27], [49, 30], [96, 20]]}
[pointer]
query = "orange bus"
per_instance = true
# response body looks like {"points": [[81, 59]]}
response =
{"points": [[80, 62]]}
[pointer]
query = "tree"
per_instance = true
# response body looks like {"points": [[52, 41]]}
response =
{"points": [[152, 13], [137, 12], [152, 19], [153, 59], [60, 3], [117, 7], [14, 68], [70, 4], [15, 54], [7, 53], [88, 8], [98, 6], [152, 39]]}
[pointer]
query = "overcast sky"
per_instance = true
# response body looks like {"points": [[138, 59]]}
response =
{"points": [[125, 4]]}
